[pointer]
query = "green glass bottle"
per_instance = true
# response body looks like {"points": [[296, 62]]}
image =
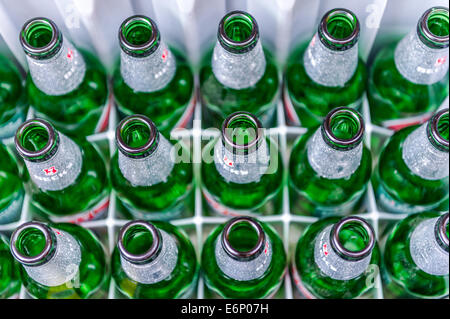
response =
{"points": [[238, 75], [336, 258], [154, 260], [244, 258], [66, 85], [60, 261], [11, 188], [326, 73], [66, 179], [242, 171], [9, 272], [13, 101], [151, 78], [408, 80], [416, 257], [152, 179], [412, 172], [330, 167]]}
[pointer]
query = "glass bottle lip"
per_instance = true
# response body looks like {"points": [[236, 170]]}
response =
{"points": [[238, 46], [332, 42], [339, 143], [47, 51], [341, 250], [227, 139], [47, 252], [441, 231], [47, 151], [137, 152], [144, 49], [426, 36], [154, 248], [243, 255], [434, 136]]}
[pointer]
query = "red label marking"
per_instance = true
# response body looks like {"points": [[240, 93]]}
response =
{"points": [[441, 61], [165, 54], [70, 54], [325, 249], [50, 171], [228, 161]]}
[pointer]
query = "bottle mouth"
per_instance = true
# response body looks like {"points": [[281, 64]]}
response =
{"points": [[139, 241], [339, 29], [438, 130], [352, 238], [36, 140], [139, 36], [242, 132], [433, 28], [441, 231], [33, 243], [238, 32], [40, 38], [343, 128], [243, 238], [137, 136]]}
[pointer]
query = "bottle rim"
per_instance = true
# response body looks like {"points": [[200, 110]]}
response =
{"points": [[152, 251], [243, 255], [339, 143], [426, 35], [331, 41], [238, 46], [144, 49], [142, 151], [227, 138], [44, 153], [441, 232], [434, 135], [339, 247], [47, 51], [47, 252]]}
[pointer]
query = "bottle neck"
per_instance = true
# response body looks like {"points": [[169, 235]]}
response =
{"points": [[56, 263], [425, 247], [148, 255], [243, 250]]}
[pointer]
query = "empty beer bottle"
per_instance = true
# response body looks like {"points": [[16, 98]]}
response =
{"points": [[150, 180], [416, 257], [244, 258], [9, 272], [326, 73], [61, 261], [152, 79], [11, 188], [242, 169], [67, 180], [410, 78], [154, 260], [336, 258], [412, 172], [13, 102], [238, 75], [330, 167], [66, 85]]}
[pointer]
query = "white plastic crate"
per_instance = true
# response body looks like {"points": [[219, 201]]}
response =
{"points": [[192, 26]]}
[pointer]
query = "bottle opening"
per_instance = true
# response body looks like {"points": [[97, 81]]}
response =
{"points": [[343, 128], [139, 241], [433, 27], [441, 230], [243, 238], [352, 238], [36, 140], [40, 38], [438, 130], [32, 243], [238, 32], [137, 136], [339, 29], [242, 132], [139, 36]]}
